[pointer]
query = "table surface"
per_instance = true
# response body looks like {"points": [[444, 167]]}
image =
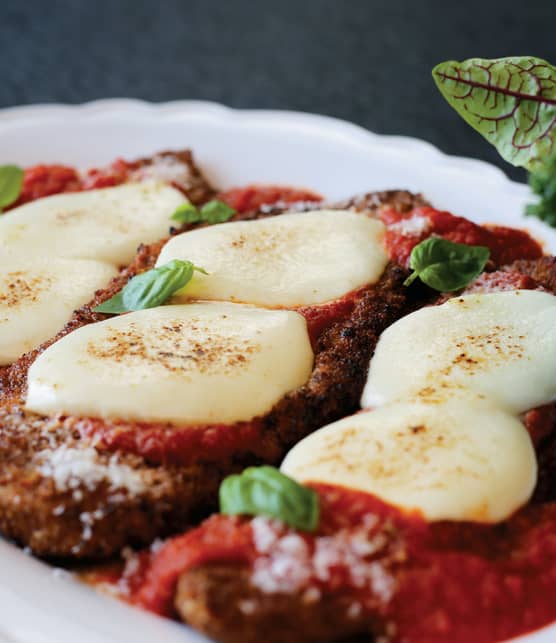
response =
{"points": [[367, 61]]}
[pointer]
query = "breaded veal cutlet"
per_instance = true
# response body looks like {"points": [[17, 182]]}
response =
{"points": [[62, 497], [219, 599]]}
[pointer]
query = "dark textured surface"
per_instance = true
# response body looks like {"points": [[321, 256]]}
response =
{"points": [[367, 61]]}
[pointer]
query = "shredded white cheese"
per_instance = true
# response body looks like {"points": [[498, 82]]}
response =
{"points": [[166, 169], [71, 468], [264, 536], [415, 226], [287, 564]]}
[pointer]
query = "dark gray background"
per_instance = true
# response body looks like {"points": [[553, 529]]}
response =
{"points": [[363, 60]]}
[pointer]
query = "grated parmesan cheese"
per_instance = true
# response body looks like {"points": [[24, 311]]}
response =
{"points": [[287, 564], [381, 582], [264, 535], [415, 226], [165, 169], [70, 468]]}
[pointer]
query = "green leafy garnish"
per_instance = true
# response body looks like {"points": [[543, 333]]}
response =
{"points": [[445, 265], [212, 212], [217, 212], [11, 180], [264, 491], [510, 101], [543, 183], [151, 288], [187, 213]]}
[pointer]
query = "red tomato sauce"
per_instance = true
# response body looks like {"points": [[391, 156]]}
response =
{"points": [[45, 180], [499, 281], [321, 317], [170, 444], [406, 230], [443, 581], [252, 197]]}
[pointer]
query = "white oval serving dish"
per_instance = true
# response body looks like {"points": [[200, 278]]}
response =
{"points": [[233, 147]]}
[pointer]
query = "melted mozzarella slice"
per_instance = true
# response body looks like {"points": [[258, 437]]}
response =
{"points": [[463, 459], [290, 260], [38, 296], [105, 225], [186, 364], [501, 346]]}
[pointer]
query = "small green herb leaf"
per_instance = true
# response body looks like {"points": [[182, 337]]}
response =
{"points": [[187, 213], [151, 288], [212, 212], [113, 306], [510, 101], [543, 183], [216, 212], [11, 180], [445, 265], [264, 491]]}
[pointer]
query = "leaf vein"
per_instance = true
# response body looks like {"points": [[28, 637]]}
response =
{"points": [[502, 90]]}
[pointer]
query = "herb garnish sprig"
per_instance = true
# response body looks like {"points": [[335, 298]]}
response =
{"points": [[11, 182], [265, 491], [543, 183], [151, 288], [444, 265], [512, 103], [211, 212]]}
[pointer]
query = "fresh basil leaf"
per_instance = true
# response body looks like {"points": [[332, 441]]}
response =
{"points": [[216, 212], [543, 183], [151, 288], [265, 491], [11, 180], [510, 101], [112, 306], [187, 213], [445, 265], [212, 212]]}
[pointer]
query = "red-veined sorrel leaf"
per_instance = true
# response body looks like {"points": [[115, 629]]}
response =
{"points": [[510, 101]]}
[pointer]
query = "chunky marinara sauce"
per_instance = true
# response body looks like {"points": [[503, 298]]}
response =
{"points": [[253, 197], [45, 180], [416, 581], [405, 230]]}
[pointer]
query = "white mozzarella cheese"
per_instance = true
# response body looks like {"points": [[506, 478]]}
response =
{"points": [[462, 459], [38, 296], [105, 225], [445, 389], [185, 364], [499, 345], [290, 260]]}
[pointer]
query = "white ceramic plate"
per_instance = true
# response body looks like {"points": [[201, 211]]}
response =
{"points": [[233, 147]]}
